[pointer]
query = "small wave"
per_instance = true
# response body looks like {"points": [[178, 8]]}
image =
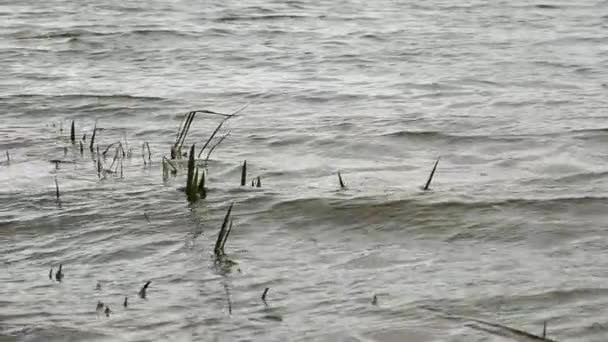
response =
{"points": [[84, 96], [261, 17], [547, 6]]}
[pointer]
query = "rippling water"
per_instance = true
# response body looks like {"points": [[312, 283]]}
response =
{"points": [[511, 95]]}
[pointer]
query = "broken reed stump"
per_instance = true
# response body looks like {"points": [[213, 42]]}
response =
{"points": [[142, 292], [259, 183], [8, 158], [428, 182], [73, 133], [222, 237], [244, 174], [342, 185]]}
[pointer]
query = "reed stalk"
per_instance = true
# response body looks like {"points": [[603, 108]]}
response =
{"points": [[191, 187], [342, 185], [73, 133], [142, 292], [222, 237], [202, 191], [244, 173], [8, 158], [428, 182], [93, 138], [220, 140]]}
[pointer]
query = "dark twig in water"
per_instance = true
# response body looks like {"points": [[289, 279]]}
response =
{"points": [[73, 133], [264, 295], [59, 273], [8, 158], [126, 302], [544, 329], [244, 174], [428, 182], [142, 292], [223, 234], [375, 300], [81, 148], [147, 217], [259, 183], [51, 274], [342, 185]]}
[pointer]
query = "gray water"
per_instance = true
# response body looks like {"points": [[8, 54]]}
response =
{"points": [[511, 95]]}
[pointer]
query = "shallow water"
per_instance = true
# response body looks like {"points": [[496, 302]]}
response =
{"points": [[511, 95]]}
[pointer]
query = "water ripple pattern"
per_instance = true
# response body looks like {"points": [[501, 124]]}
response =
{"points": [[511, 95]]}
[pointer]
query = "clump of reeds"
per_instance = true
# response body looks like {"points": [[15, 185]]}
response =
{"points": [[222, 237], [428, 182]]}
